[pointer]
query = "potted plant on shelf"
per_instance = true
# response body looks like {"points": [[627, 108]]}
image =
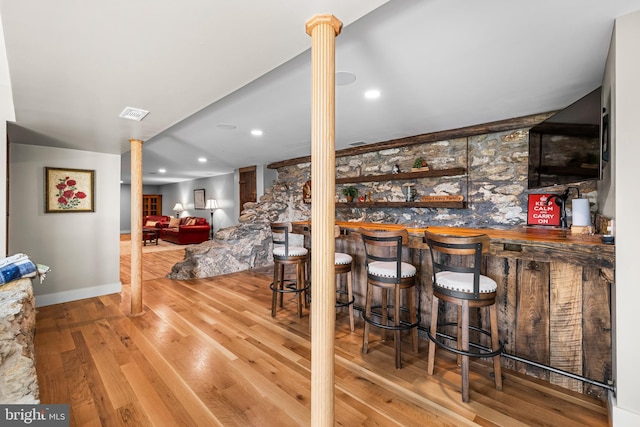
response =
{"points": [[350, 192], [420, 164]]}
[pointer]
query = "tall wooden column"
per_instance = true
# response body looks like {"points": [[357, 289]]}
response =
{"points": [[136, 227], [323, 30]]}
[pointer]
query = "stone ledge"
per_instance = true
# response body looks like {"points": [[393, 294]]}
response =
{"points": [[18, 378]]}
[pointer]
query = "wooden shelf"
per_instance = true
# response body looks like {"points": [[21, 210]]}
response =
{"points": [[403, 176], [454, 205]]}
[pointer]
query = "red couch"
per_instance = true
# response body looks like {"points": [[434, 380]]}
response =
{"points": [[190, 230], [157, 221]]}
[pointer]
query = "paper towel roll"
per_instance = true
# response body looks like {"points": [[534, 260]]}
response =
{"points": [[581, 212]]}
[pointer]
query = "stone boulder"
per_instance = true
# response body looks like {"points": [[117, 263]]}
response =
{"points": [[233, 249], [18, 379], [244, 246]]}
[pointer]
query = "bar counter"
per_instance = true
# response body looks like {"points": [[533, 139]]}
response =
{"points": [[553, 295]]}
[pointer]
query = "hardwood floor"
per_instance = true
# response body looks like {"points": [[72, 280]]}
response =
{"points": [[207, 352]]}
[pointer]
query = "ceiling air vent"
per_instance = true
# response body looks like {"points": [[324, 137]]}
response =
{"points": [[133, 114]]}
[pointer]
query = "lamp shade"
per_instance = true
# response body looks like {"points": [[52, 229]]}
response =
{"points": [[211, 204], [178, 207]]}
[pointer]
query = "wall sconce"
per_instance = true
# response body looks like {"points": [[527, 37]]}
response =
{"points": [[178, 208], [212, 205]]}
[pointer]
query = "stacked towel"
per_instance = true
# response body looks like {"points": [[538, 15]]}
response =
{"points": [[18, 266]]}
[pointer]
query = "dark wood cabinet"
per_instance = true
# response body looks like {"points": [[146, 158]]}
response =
{"points": [[151, 204]]}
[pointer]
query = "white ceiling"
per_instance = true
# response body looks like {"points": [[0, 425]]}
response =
{"points": [[439, 64]]}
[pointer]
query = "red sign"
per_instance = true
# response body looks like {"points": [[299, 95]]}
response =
{"points": [[541, 211]]}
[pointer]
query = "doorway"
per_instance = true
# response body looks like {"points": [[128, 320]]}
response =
{"points": [[247, 185]]}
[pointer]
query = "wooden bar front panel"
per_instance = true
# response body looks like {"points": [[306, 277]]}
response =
{"points": [[553, 305]]}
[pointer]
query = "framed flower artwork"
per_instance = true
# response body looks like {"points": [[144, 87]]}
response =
{"points": [[69, 190]]}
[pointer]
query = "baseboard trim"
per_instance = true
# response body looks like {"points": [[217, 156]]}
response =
{"points": [[77, 294], [619, 417]]}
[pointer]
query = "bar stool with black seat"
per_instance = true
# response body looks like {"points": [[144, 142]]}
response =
{"points": [[387, 272], [457, 279], [286, 254]]}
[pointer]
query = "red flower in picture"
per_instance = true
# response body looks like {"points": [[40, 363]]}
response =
{"points": [[68, 195]]}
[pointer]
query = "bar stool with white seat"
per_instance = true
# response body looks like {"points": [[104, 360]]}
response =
{"points": [[387, 272], [343, 265], [286, 254], [461, 283]]}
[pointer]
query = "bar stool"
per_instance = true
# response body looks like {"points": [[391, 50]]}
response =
{"points": [[343, 265], [387, 272], [286, 254], [460, 282]]}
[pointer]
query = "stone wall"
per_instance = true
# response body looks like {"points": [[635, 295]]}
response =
{"points": [[494, 188], [18, 379]]}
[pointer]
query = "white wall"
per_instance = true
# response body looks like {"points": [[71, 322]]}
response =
{"points": [[265, 178], [626, 153], [82, 249], [7, 114]]}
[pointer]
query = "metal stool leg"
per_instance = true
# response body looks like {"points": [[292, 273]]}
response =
{"points": [[495, 345], [350, 296], [414, 318], [465, 347], [397, 337], [367, 311], [431, 358], [276, 284]]}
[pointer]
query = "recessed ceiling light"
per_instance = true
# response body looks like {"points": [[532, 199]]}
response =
{"points": [[202, 159], [344, 78], [256, 132], [131, 113], [226, 126], [372, 94], [162, 170]]}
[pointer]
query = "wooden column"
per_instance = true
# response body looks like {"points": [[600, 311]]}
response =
{"points": [[323, 30], [136, 227]]}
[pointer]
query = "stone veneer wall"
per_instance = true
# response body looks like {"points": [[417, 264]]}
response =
{"points": [[494, 187], [18, 379]]}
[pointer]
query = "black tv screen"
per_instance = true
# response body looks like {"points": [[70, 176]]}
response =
{"points": [[565, 148]]}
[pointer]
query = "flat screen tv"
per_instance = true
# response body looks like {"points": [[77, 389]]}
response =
{"points": [[566, 148]]}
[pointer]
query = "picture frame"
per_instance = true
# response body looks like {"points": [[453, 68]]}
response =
{"points": [[199, 200], [69, 190], [605, 138]]}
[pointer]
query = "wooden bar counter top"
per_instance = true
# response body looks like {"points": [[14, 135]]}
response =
{"points": [[553, 299]]}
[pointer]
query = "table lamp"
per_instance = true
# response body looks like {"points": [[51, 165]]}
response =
{"points": [[178, 208]]}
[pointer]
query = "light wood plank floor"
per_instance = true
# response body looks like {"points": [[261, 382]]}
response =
{"points": [[207, 352]]}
